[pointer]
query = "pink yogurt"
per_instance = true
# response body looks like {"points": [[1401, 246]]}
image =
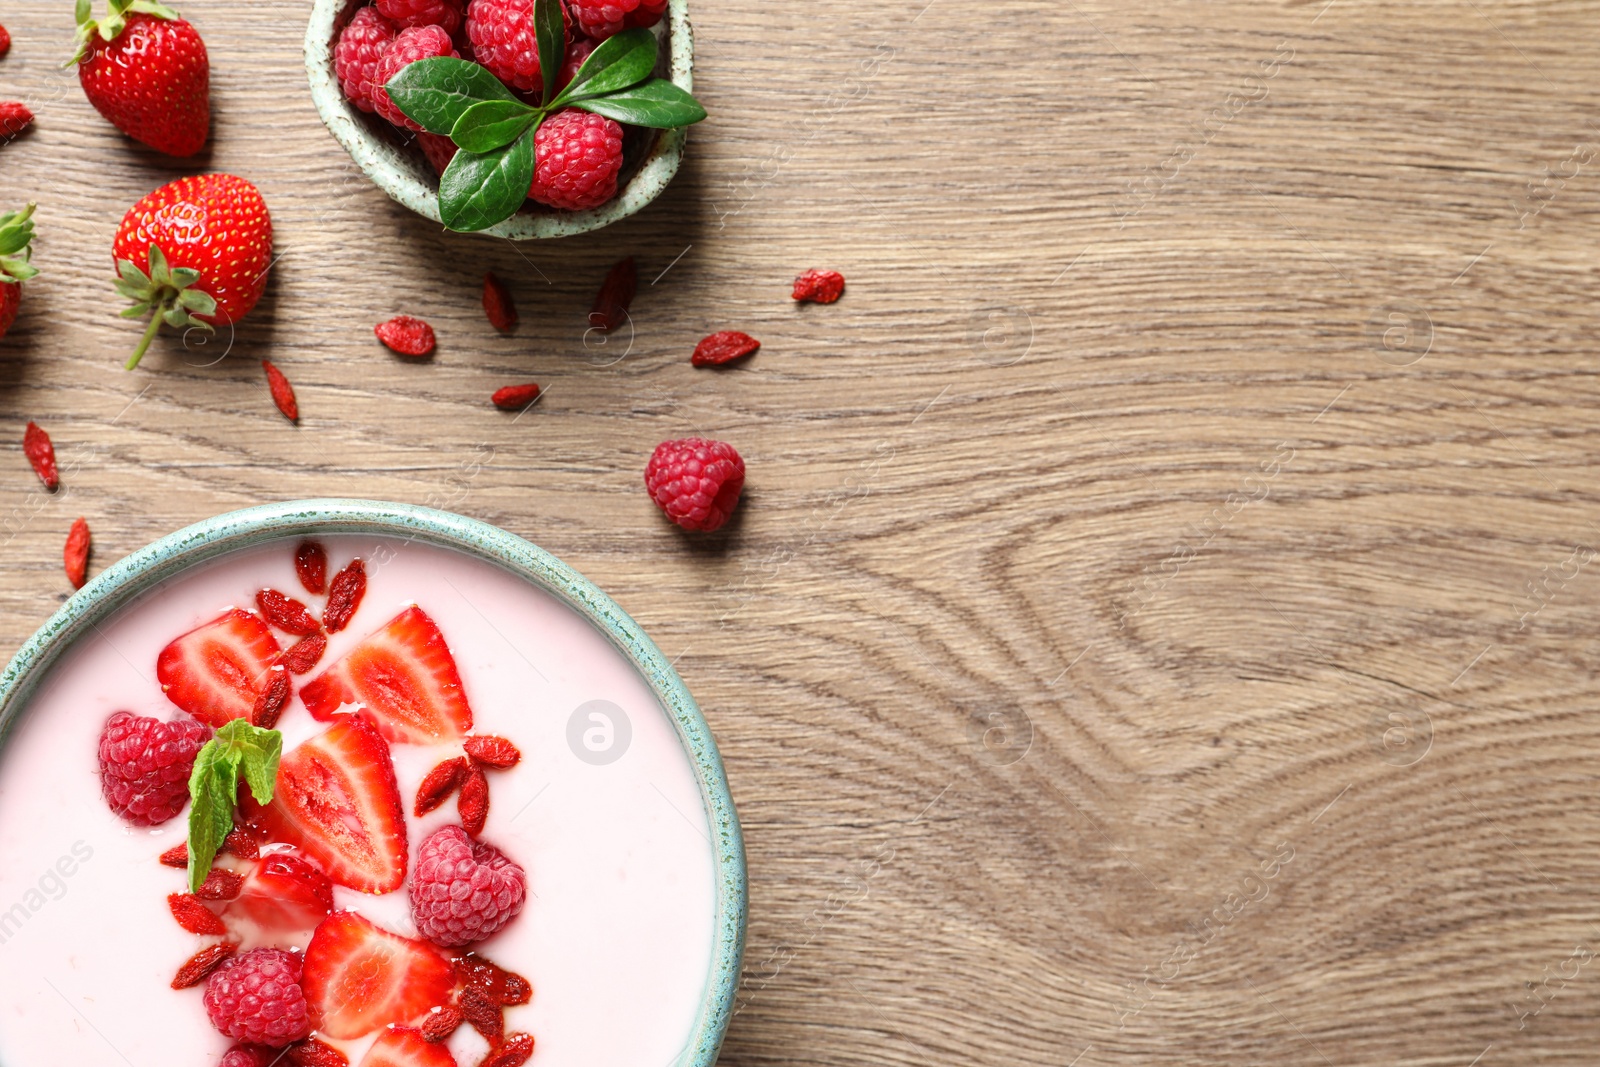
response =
{"points": [[604, 813]]}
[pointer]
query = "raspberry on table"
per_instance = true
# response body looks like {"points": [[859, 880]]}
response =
{"points": [[14, 118], [355, 58], [577, 156], [603, 18], [446, 14], [256, 997], [503, 40], [417, 42], [695, 481], [463, 890], [145, 765], [248, 1056]]}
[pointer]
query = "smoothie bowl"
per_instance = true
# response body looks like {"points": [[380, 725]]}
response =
{"points": [[340, 782]]}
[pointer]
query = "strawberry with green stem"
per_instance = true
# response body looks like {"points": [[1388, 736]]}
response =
{"points": [[194, 254], [16, 237], [146, 70]]}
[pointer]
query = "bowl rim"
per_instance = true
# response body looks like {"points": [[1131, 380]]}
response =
{"points": [[225, 534], [386, 166]]}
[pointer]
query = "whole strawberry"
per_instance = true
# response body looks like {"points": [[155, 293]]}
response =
{"points": [[16, 235], [577, 157], [146, 70], [194, 253]]}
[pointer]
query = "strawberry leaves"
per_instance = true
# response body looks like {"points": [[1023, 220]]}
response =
{"points": [[237, 749], [110, 27], [16, 237], [489, 178], [168, 292]]}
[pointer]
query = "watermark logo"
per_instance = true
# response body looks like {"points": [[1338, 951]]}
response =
{"points": [[1401, 737], [1001, 336], [599, 732], [1400, 332], [1002, 732]]}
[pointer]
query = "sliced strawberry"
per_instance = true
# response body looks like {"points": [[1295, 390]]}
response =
{"points": [[405, 1047], [337, 801], [405, 676], [284, 892], [358, 978], [217, 671]]}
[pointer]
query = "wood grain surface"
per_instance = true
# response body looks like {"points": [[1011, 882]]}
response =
{"points": [[1161, 624]]}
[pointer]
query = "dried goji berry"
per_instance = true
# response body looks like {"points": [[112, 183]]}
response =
{"points": [[344, 596], [14, 118], [286, 613], [176, 856], [75, 554], [406, 335], [440, 1024], [301, 656], [724, 347], [482, 1013], [238, 843], [497, 303], [269, 705], [194, 916], [492, 751], [220, 884], [202, 963], [514, 1053], [439, 784], [311, 564], [515, 397], [473, 803], [282, 391], [504, 987], [616, 293], [819, 286], [42, 454], [313, 1053]]}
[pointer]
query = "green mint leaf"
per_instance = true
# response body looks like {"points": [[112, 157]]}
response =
{"points": [[211, 810], [622, 60], [259, 751], [478, 190], [434, 92], [656, 103], [550, 28], [491, 124]]}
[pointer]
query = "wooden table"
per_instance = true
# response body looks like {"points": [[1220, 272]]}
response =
{"points": [[1161, 621]]}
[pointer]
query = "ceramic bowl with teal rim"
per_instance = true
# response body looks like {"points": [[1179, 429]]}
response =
{"points": [[650, 158], [497, 564]]}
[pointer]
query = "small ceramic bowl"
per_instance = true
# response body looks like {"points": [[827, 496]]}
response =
{"points": [[224, 535], [403, 173]]}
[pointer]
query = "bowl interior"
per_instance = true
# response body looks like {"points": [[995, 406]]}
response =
{"points": [[87, 612], [650, 158]]}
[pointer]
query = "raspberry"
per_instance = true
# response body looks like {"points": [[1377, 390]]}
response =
{"points": [[256, 997], [724, 347], [407, 336], [818, 286], [248, 1056], [602, 18], [578, 50], [578, 156], [503, 37], [14, 118], [418, 42], [355, 58], [695, 481], [463, 890], [445, 14], [439, 150], [145, 765]]}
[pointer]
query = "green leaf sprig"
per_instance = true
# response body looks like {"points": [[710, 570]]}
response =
{"points": [[489, 178], [238, 749]]}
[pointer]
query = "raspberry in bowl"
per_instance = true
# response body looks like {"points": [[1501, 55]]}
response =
{"points": [[592, 169], [445, 805]]}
